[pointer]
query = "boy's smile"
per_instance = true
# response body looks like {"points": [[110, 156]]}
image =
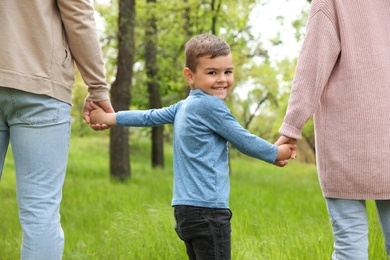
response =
{"points": [[213, 76]]}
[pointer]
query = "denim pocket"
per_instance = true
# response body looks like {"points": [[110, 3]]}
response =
{"points": [[33, 109]]}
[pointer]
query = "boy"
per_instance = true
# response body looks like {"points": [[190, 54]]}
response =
{"points": [[202, 127]]}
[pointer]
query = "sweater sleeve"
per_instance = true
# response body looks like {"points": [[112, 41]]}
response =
{"points": [[151, 117], [79, 23], [319, 53]]}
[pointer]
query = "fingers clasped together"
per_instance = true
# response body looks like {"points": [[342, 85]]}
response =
{"points": [[89, 106], [287, 149]]}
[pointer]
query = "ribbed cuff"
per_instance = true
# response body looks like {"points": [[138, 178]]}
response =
{"points": [[290, 131]]}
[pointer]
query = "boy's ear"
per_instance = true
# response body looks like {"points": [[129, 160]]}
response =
{"points": [[188, 75]]}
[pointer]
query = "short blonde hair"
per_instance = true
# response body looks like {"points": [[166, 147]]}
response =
{"points": [[204, 45]]}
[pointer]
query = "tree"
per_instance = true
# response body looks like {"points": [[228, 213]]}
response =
{"points": [[159, 60], [151, 68], [215, 7], [120, 90]]}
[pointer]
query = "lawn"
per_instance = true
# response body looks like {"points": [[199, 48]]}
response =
{"points": [[278, 213]]}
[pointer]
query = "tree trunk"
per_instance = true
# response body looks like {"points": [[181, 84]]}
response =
{"points": [[120, 91], [153, 86], [187, 25], [186, 18], [215, 8]]}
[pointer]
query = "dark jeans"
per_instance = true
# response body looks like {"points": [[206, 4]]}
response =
{"points": [[205, 232]]}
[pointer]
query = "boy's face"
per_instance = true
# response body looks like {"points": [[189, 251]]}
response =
{"points": [[212, 76]]}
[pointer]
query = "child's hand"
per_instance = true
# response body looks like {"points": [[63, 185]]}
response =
{"points": [[105, 105], [284, 154], [288, 140], [100, 117], [97, 114]]}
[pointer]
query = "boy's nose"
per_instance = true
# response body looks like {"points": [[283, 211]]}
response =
{"points": [[221, 78]]}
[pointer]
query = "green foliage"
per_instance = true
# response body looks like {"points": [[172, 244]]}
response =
{"points": [[80, 93], [231, 21], [299, 26], [257, 76], [108, 35], [285, 76], [260, 99], [278, 213]]}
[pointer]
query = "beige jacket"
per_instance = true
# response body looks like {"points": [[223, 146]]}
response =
{"points": [[39, 42], [343, 78]]}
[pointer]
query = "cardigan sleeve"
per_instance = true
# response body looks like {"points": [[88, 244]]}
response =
{"points": [[319, 54]]}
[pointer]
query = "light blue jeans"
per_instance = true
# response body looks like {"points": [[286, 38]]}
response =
{"points": [[39, 130], [350, 227]]}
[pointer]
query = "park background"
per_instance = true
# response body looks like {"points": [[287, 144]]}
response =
{"points": [[117, 193]]}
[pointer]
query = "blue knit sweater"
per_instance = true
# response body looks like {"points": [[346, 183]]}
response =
{"points": [[203, 125]]}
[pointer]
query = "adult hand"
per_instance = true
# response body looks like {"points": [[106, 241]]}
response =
{"points": [[286, 140], [105, 105]]}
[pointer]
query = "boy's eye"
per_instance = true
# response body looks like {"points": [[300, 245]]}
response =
{"points": [[215, 72]]}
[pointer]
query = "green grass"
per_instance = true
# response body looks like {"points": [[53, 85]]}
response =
{"points": [[278, 213]]}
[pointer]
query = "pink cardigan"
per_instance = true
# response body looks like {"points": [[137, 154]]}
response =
{"points": [[343, 78]]}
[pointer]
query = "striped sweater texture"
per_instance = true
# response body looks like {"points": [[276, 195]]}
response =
{"points": [[343, 79]]}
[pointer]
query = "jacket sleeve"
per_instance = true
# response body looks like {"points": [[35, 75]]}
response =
{"points": [[80, 28]]}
